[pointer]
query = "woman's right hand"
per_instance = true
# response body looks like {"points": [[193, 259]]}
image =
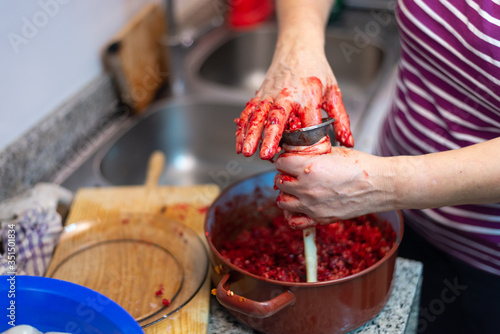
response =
{"points": [[342, 184]]}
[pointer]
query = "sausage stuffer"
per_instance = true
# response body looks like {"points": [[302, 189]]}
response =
{"points": [[306, 137]]}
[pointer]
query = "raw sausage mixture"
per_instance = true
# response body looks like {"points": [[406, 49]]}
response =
{"points": [[277, 252]]}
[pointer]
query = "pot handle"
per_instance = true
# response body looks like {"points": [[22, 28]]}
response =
{"points": [[251, 307]]}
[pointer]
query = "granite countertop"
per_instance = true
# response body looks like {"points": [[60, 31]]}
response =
{"points": [[398, 316]]}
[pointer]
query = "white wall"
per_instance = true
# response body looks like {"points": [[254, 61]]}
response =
{"points": [[49, 50]]}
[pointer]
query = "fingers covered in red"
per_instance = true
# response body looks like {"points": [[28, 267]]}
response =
{"points": [[289, 203], [298, 221], [334, 107], [292, 109], [256, 123], [309, 112], [242, 123], [276, 122]]}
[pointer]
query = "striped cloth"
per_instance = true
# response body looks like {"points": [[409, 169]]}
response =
{"points": [[448, 96], [30, 227], [28, 241]]}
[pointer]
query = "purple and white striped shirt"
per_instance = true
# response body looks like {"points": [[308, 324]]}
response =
{"points": [[447, 97]]}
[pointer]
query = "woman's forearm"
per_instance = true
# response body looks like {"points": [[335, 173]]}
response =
{"points": [[304, 20], [470, 175]]}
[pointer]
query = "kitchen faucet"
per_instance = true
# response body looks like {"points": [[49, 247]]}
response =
{"points": [[178, 39]]}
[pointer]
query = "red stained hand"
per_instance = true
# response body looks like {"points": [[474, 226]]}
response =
{"points": [[298, 220], [297, 86], [324, 188]]}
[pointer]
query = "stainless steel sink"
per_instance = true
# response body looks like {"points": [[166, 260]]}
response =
{"points": [[197, 137], [196, 131], [242, 60]]}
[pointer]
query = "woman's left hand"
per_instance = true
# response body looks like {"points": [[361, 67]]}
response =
{"points": [[339, 185]]}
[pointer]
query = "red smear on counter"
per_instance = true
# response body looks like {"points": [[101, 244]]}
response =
{"points": [[181, 206], [160, 291], [277, 252], [165, 302], [203, 209]]}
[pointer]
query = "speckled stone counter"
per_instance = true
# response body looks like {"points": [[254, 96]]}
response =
{"points": [[399, 316], [60, 138]]}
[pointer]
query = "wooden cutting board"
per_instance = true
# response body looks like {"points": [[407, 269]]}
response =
{"points": [[136, 58], [98, 214]]}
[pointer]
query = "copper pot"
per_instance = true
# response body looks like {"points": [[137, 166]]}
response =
{"points": [[276, 307]]}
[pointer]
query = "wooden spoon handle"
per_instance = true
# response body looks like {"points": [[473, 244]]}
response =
{"points": [[310, 252], [156, 164]]}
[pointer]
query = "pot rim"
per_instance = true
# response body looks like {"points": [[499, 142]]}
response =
{"points": [[365, 271]]}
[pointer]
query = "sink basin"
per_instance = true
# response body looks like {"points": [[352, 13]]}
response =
{"points": [[242, 60], [197, 137]]}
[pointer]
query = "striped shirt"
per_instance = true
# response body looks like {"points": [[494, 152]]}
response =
{"points": [[447, 97]]}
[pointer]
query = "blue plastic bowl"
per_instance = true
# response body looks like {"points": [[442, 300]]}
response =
{"points": [[50, 304]]}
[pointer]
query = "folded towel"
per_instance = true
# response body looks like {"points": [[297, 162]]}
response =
{"points": [[30, 227]]}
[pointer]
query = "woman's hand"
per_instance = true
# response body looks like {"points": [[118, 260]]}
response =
{"points": [[340, 185], [298, 84]]}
